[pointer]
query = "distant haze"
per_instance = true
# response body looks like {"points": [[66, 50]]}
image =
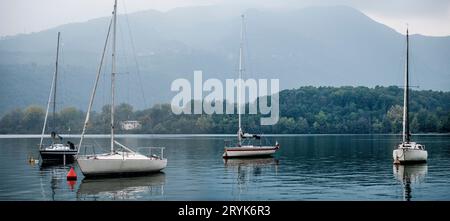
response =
{"points": [[426, 17], [319, 46]]}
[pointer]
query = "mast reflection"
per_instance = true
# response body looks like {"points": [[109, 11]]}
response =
{"points": [[410, 175]]}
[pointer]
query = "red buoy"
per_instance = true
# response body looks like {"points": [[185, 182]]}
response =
{"points": [[72, 175]]}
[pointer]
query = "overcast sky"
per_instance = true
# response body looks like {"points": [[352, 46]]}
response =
{"points": [[427, 17]]}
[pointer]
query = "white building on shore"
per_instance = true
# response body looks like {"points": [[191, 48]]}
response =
{"points": [[130, 125]]}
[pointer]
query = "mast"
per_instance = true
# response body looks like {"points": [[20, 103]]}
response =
{"points": [[52, 88], [113, 73], [241, 53], [406, 134], [55, 82]]}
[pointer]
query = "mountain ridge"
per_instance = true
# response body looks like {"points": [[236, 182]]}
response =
{"points": [[319, 46]]}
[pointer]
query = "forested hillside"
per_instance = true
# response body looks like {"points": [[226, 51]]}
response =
{"points": [[304, 110]]}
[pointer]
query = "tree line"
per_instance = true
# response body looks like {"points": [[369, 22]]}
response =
{"points": [[304, 110]]}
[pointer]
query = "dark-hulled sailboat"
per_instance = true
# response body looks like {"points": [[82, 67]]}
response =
{"points": [[56, 150]]}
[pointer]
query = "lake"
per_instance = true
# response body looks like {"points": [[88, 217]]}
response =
{"points": [[307, 167]]}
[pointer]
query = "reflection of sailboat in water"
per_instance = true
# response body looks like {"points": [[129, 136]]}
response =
{"points": [[250, 162], [57, 175], [248, 169], [122, 188], [409, 175]]}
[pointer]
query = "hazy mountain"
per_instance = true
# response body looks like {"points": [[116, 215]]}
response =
{"points": [[312, 46]]}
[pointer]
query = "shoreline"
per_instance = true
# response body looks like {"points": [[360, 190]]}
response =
{"points": [[6, 136]]}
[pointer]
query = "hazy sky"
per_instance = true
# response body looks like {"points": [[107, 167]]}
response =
{"points": [[427, 17]]}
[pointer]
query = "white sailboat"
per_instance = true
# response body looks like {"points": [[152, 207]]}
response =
{"points": [[125, 160], [56, 151], [408, 151], [245, 146]]}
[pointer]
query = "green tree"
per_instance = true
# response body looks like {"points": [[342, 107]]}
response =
{"points": [[124, 112], [320, 123], [33, 119], [302, 125], [395, 116], [12, 122], [203, 124], [71, 120]]}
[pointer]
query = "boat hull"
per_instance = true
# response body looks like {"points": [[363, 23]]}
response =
{"points": [[407, 155], [57, 155], [234, 152], [58, 152], [112, 167]]}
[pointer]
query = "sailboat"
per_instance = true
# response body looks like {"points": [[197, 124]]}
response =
{"points": [[245, 146], [57, 150], [123, 159], [408, 151]]}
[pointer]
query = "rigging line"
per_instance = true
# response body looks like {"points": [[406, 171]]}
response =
{"points": [[46, 112], [249, 67], [56, 82], [62, 75], [101, 94], [106, 64], [135, 57], [399, 66], [251, 73], [412, 67], [237, 69], [60, 92], [126, 60], [414, 58], [247, 51], [105, 122]]}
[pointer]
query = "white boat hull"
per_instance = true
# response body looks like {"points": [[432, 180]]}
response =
{"points": [[117, 164], [407, 155], [249, 151]]}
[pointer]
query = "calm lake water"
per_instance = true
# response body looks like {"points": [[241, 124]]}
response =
{"points": [[310, 167]]}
